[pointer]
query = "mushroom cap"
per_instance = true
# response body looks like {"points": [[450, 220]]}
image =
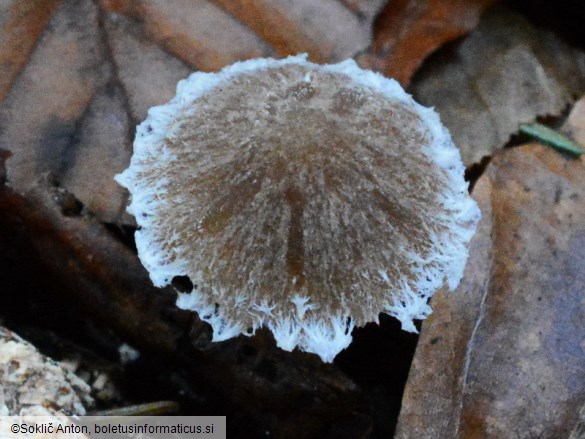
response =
{"points": [[301, 197]]}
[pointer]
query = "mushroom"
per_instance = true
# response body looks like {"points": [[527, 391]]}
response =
{"points": [[300, 197]]}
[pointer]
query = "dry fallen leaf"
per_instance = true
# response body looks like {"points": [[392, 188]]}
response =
{"points": [[504, 73], [196, 31], [21, 23], [147, 75], [409, 31], [211, 34], [327, 30], [66, 114], [505, 355]]}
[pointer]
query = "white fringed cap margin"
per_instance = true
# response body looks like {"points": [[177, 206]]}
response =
{"points": [[301, 197]]}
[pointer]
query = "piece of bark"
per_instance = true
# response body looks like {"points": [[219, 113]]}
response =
{"points": [[31, 383], [407, 31], [506, 72], [503, 356], [258, 386]]}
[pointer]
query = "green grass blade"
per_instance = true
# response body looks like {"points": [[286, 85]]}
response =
{"points": [[552, 138]]}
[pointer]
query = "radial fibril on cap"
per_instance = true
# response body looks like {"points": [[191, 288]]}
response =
{"points": [[300, 197]]}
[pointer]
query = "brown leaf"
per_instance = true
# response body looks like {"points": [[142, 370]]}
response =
{"points": [[505, 73], [503, 356], [64, 113], [327, 30], [208, 35], [196, 31], [408, 31], [21, 24], [147, 74]]}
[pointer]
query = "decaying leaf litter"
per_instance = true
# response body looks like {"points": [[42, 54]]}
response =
{"points": [[105, 63], [507, 359]]}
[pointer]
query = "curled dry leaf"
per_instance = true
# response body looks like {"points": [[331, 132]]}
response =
{"points": [[504, 355], [506, 72]]}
